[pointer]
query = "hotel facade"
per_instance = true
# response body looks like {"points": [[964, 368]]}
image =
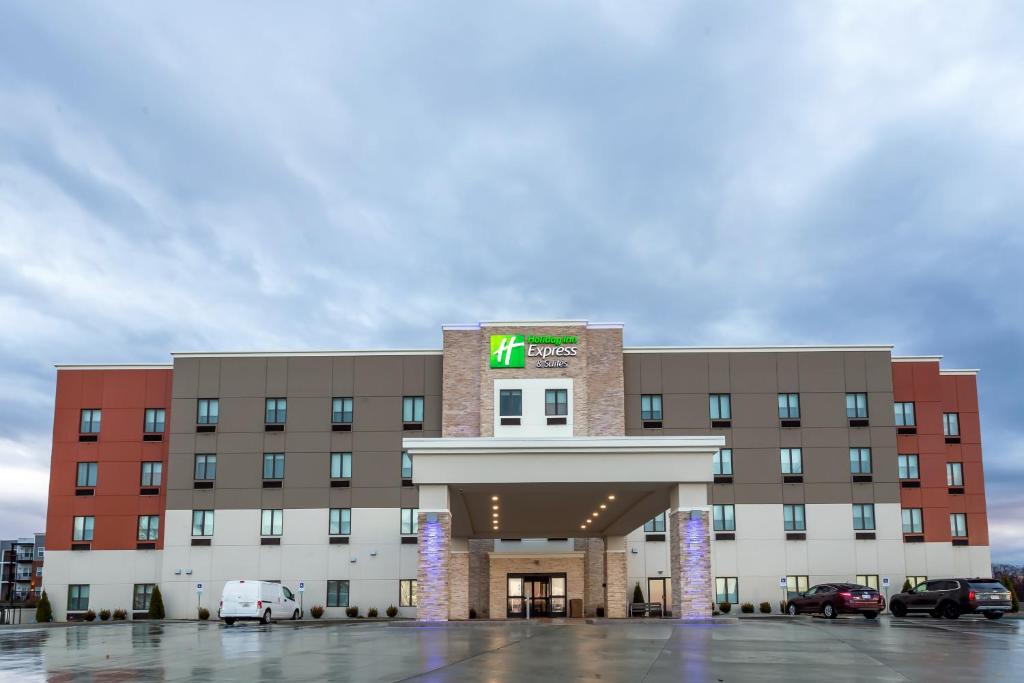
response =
{"points": [[522, 469]]}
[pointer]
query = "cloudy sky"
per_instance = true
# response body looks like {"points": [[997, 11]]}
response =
{"points": [[240, 176]]}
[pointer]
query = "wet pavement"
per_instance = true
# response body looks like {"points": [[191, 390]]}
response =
{"points": [[800, 649]]}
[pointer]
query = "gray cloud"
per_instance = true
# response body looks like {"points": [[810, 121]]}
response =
{"points": [[235, 177]]}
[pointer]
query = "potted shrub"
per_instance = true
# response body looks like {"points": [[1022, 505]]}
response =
{"points": [[1005, 580], [472, 613], [638, 594], [392, 612], [120, 614], [372, 613], [89, 616], [747, 608], [156, 604], [725, 607], [765, 607], [317, 611], [44, 612], [204, 614], [352, 612], [104, 614]]}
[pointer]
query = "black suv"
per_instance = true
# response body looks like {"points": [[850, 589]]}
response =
{"points": [[952, 597]]}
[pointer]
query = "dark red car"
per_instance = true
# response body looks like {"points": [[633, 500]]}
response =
{"points": [[833, 599]]}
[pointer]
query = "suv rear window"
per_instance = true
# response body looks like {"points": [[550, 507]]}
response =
{"points": [[988, 586]]}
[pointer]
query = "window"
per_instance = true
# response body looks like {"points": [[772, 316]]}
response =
{"points": [[796, 585], [725, 517], [412, 409], [141, 596], [958, 525], [908, 466], [272, 523], [722, 460], [86, 474], [950, 424], [341, 465], [337, 593], [789, 406], [152, 473], [650, 407], [149, 527], [793, 517], [864, 517], [277, 411], [556, 402], [83, 528], [39, 571], [208, 411], [202, 522], [726, 590], [912, 523], [655, 525], [78, 597], [510, 403], [856, 406], [406, 465], [860, 460], [869, 580], [904, 414], [410, 520], [916, 580], [341, 521], [792, 460], [154, 420], [720, 406], [273, 465], [206, 466], [341, 410], [407, 593], [954, 474], [90, 423]]}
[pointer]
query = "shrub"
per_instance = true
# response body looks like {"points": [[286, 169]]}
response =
{"points": [[472, 613], [747, 608], [392, 611], [316, 611], [352, 612], [906, 586], [156, 604], [725, 607], [1014, 600], [104, 614], [715, 613], [765, 607], [204, 614], [638, 594], [44, 613], [90, 616], [120, 614], [372, 612]]}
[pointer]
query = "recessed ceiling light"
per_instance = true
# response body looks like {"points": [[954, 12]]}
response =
{"points": [[494, 498], [494, 514], [583, 526], [595, 514], [611, 497], [494, 507], [603, 506]]}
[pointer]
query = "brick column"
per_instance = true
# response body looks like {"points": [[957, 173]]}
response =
{"points": [[593, 573], [458, 580], [480, 575], [615, 577], [432, 569], [690, 553]]}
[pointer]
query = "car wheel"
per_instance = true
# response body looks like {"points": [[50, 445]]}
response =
{"points": [[791, 610], [951, 610], [993, 615], [870, 615], [295, 615], [935, 614], [229, 621], [829, 611], [898, 609], [266, 617]]}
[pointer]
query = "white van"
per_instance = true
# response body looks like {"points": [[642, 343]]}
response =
{"points": [[260, 600]]}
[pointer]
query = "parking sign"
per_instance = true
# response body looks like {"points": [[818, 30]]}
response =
{"points": [[302, 586], [199, 588], [782, 582], [885, 582]]}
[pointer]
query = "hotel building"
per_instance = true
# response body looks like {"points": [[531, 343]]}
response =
{"points": [[528, 468]]}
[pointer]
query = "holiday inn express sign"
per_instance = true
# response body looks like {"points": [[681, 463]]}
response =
{"points": [[512, 350]]}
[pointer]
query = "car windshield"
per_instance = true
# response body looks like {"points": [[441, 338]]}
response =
{"points": [[987, 586]]}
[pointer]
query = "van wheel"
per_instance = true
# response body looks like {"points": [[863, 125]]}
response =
{"points": [[951, 610], [229, 621], [829, 611], [266, 617], [898, 609], [791, 610], [993, 615], [295, 615], [870, 615]]}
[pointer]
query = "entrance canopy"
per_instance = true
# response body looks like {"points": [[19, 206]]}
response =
{"points": [[560, 487]]}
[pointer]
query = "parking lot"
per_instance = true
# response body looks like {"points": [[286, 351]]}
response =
{"points": [[798, 649]]}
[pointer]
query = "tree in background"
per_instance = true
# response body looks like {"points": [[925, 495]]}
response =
{"points": [[156, 604], [638, 594], [906, 586], [44, 613], [1007, 581]]}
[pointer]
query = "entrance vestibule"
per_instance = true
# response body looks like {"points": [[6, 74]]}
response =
{"points": [[536, 595]]}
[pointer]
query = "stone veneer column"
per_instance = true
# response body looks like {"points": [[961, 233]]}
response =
{"points": [[615, 577], [690, 556], [593, 573], [458, 580], [432, 569], [480, 575]]}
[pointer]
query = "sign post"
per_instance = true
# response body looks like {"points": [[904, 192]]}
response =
{"points": [[302, 589], [783, 584], [199, 595], [885, 586]]}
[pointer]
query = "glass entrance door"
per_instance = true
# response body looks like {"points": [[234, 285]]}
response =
{"points": [[536, 595], [660, 590]]}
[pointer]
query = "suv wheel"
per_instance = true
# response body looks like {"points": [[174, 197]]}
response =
{"points": [[993, 615], [829, 611], [266, 617], [791, 610], [295, 615], [951, 610], [935, 614], [898, 609], [870, 615]]}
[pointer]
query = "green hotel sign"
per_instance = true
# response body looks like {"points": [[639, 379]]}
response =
{"points": [[512, 350]]}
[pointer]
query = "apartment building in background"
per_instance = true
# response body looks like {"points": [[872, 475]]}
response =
{"points": [[21, 568], [521, 469]]}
